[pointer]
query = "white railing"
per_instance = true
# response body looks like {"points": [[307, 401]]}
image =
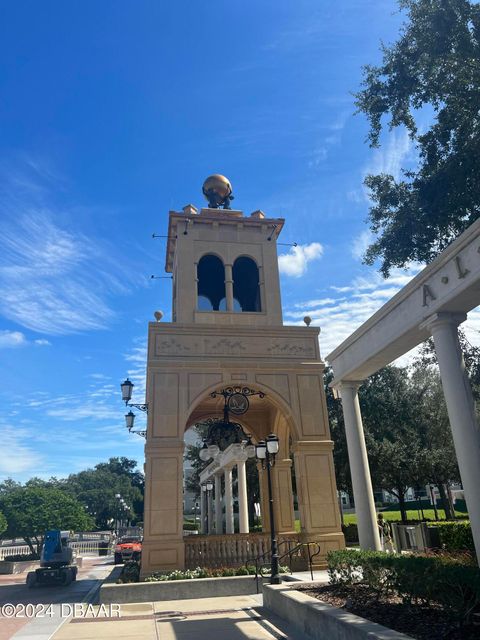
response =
{"points": [[90, 547], [231, 550], [81, 548], [13, 551]]}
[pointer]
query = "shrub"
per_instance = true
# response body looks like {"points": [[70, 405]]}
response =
{"points": [[455, 535], [190, 526], [350, 531], [191, 574], [435, 578], [130, 572]]}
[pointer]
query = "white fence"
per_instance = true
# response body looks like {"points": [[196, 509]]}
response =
{"points": [[81, 548], [10, 551]]}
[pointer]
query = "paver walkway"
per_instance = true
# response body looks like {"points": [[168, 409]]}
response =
{"points": [[228, 618], [14, 591]]}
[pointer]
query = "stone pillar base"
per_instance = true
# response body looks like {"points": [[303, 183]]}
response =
{"points": [[165, 555], [327, 541]]}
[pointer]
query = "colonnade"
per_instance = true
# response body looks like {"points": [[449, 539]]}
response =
{"points": [[443, 327], [216, 511]]}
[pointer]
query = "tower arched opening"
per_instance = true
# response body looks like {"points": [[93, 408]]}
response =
{"points": [[211, 283], [246, 287]]}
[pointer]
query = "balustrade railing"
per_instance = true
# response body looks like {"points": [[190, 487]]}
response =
{"points": [[13, 551], [229, 550], [82, 547]]}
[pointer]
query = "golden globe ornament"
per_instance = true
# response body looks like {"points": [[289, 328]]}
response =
{"points": [[218, 191]]}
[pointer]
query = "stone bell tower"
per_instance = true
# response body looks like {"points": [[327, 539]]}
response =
{"points": [[227, 330]]}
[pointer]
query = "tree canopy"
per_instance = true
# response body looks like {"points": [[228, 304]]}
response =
{"points": [[432, 73], [30, 511], [407, 431]]}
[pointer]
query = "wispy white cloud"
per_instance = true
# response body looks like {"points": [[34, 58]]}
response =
{"points": [[361, 243], [20, 456], [339, 315], [54, 279], [41, 342], [12, 339], [390, 158], [295, 262]]}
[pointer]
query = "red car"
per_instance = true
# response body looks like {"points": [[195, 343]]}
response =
{"points": [[128, 549]]}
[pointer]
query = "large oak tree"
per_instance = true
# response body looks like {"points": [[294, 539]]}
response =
{"points": [[432, 73]]}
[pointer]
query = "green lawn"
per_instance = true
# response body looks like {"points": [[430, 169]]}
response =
{"points": [[413, 514]]}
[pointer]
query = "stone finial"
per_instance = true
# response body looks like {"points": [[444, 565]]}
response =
{"points": [[307, 320], [158, 315]]}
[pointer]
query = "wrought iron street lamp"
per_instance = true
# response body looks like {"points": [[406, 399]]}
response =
{"points": [[127, 390], [266, 452]]}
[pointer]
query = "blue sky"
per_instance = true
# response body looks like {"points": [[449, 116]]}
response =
{"points": [[114, 112]]}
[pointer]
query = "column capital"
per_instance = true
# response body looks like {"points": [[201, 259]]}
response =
{"points": [[443, 319], [354, 385], [164, 446], [283, 462], [311, 445]]}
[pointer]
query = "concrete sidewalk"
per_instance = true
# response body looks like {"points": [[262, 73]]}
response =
{"points": [[229, 618]]}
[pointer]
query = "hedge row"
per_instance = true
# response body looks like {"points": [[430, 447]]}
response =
{"points": [[452, 536], [455, 536], [420, 579]]}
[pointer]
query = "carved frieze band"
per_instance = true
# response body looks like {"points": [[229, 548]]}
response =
{"points": [[256, 346]]}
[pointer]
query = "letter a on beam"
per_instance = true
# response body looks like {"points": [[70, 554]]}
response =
{"points": [[427, 293]]}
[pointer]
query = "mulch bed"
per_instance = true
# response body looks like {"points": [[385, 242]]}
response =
{"points": [[417, 621]]}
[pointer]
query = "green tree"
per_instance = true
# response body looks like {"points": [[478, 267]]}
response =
{"points": [[337, 432], [390, 409], [433, 67], [3, 523], [438, 458], [96, 490], [30, 511]]}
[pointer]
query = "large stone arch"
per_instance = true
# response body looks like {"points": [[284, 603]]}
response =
{"points": [[200, 404]]}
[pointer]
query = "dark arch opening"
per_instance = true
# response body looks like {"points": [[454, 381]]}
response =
{"points": [[246, 287], [211, 283]]}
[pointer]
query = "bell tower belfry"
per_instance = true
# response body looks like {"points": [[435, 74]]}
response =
{"points": [[227, 331]]}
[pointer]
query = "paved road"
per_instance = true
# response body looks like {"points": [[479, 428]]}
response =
{"points": [[14, 591]]}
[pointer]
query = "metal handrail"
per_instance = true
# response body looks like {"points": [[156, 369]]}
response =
{"points": [[288, 553]]}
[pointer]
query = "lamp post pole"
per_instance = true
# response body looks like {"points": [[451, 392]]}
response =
{"points": [[266, 452]]}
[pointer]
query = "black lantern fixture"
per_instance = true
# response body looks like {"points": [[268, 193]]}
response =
{"points": [[127, 390], [129, 420], [221, 431], [266, 451]]}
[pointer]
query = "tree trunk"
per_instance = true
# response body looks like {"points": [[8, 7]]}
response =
{"points": [[450, 502], [445, 501], [30, 544], [401, 504]]}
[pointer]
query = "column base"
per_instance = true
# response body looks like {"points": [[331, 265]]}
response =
{"points": [[164, 555], [327, 542]]}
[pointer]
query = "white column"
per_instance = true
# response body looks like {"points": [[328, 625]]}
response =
{"points": [[218, 504], [202, 510], [229, 286], [242, 497], [461, 411], [359, 468], [229, 528], [210, 512]]}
